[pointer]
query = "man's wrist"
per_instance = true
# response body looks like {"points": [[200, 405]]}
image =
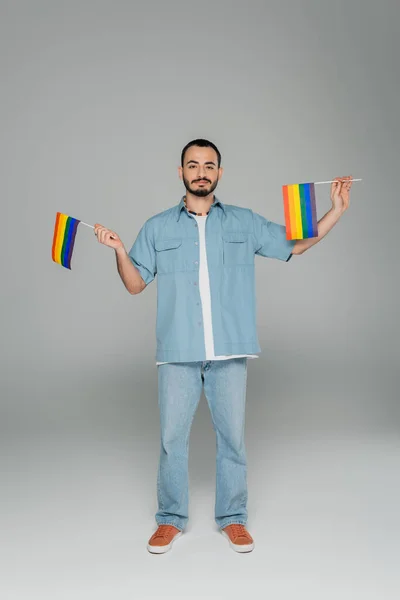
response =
{"points": [[337, 212], [120, 250]]}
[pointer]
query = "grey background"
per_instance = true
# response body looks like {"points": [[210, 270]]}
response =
{"points": [[97, 101]]}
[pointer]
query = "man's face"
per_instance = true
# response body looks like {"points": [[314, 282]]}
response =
{"points": [[200, 172]]}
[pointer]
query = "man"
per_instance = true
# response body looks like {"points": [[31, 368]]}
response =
{"points": [[203, 252]]}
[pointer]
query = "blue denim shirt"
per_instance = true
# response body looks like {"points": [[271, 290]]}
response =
{"points": [[168, 245]]}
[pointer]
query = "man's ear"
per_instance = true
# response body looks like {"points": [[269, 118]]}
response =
{"points": [[180, 172], [221, 170]]}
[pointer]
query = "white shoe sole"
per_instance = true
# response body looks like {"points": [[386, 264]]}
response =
{"points": [[162, 549], [238, 547]]}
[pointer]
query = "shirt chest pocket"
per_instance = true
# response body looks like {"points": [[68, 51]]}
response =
{"points": [[237, 249], [169, 255]]}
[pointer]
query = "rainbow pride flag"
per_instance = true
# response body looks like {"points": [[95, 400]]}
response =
{"points": [[300, 211], [65, 230]]}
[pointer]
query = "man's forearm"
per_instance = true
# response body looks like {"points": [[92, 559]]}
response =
{"points": [[128, 272], [324, 225]]}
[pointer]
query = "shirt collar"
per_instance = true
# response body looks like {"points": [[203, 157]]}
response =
{"points": [[181, 206]]}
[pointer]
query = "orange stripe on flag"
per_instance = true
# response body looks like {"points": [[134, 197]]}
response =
{"points": [[53, 248], [287, 212]]}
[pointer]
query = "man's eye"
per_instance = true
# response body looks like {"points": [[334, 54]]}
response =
{"points": [[210, 167]]}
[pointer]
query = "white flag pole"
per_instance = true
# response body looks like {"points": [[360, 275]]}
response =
{"points": [[342, 180], [87, 225]]}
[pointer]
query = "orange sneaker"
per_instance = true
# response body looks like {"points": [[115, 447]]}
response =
{"points": [[239, 538], [161, 540]]}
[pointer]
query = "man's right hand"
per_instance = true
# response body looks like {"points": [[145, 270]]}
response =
{"points": [[107, 237]]}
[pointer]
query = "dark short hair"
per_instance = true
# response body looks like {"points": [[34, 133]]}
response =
{"points": [[203, 144]]}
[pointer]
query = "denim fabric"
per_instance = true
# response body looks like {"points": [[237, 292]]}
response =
{"points": [[168, 245], [179, 391]]}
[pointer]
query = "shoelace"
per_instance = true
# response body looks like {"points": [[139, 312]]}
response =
{"points": [[239, 530], [163, 531]]}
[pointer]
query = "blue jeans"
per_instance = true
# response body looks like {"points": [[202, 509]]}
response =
{"points": [[179, 391]]}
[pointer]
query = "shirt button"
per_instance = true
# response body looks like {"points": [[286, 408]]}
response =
{"points": [[195, 283], [196, 262], [198, 303], [196, 243]]}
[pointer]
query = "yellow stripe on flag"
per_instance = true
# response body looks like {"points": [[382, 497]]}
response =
{"points": [[297, 209], [291, 211], [60, 237]]}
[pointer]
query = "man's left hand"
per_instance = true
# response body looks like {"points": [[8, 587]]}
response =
{"points": [[340, 193]]}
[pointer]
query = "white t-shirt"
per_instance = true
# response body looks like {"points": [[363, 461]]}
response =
{"points": [[205, 296]]}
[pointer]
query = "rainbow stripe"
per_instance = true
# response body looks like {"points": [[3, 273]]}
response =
{"points": [[300, 211], [64, 238]]}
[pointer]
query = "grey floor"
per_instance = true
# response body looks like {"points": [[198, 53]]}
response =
{"points": [[78, 494]]}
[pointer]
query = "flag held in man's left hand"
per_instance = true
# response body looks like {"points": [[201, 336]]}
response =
{"points": [[300, 211]]}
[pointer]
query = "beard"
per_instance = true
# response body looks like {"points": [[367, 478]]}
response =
{"points": [[200, 192]]}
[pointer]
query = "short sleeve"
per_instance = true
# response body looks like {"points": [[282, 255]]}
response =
{"points": [[142, 254], [270, 239]]}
